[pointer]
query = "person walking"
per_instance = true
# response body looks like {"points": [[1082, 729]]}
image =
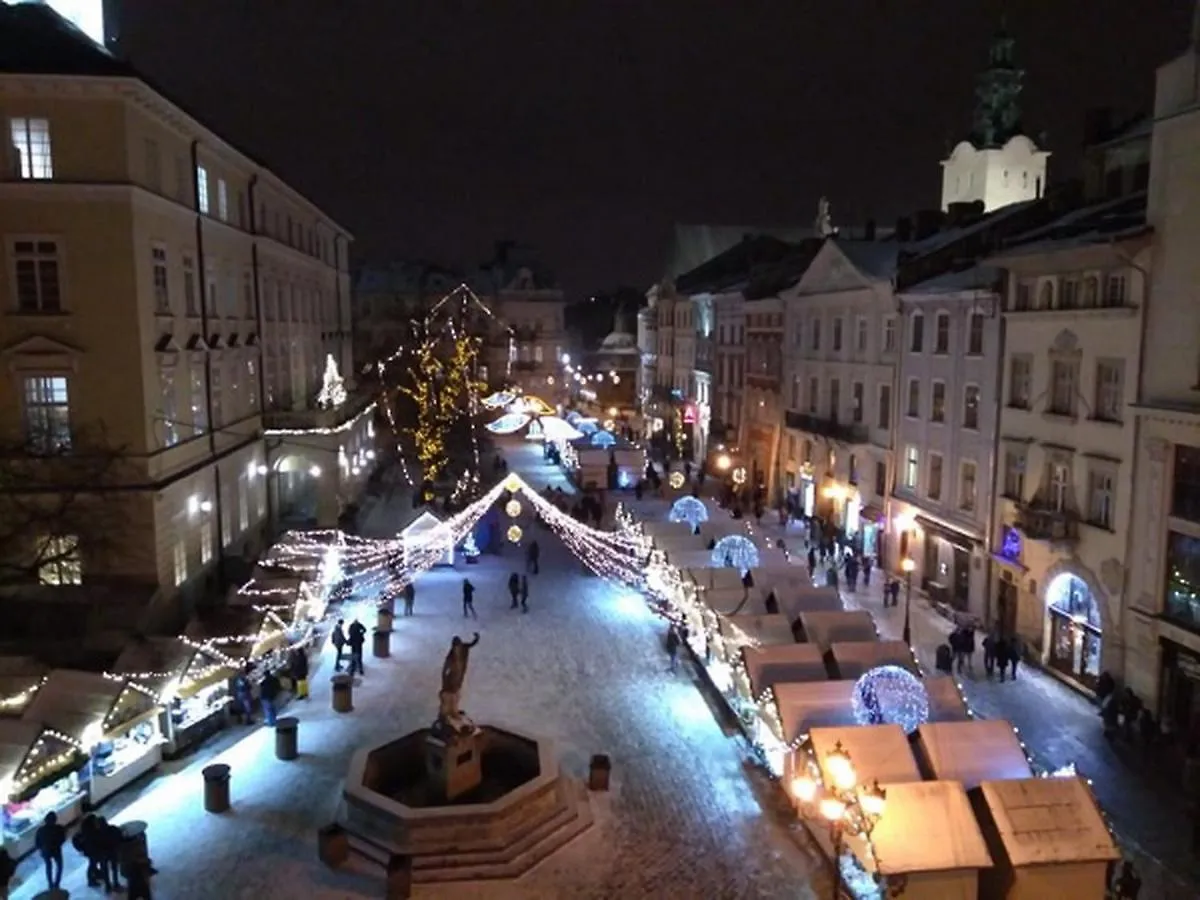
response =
{"points": [[866, 570], [86, 845], [137, 879], [989, 655], [532, 555], [969, 648], [243, 696], [469, 600], [812, 562], [8, 868], [524, 593], [410, 596], [1001, 650], [958, 649], [109, 837], [338, 639], [268, 694], [894, 592], [1015, 649], [49, 840], [673, 649], [356, 637], [514, 588], [298, 669]]}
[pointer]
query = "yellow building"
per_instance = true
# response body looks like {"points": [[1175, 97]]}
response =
{"points": [[170, 308]]}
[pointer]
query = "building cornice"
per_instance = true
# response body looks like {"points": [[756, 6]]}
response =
{"points": [[1065, 257], [1170, 415]]}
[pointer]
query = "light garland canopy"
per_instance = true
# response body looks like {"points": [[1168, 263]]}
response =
{"points": [[735, 550], [690, 510]]}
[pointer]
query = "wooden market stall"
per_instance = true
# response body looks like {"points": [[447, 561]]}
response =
{"points": [[716, 578], [239, 632], [799, 708], [879, 752], [656, 529], [115, 721], [765, 667], [853, 659], [828, 628], [683, 546], [971, 752], [793, 601], [946, 701], [741, 631], [1047, 838], [39, 769], [425, 534], [20, 679]]}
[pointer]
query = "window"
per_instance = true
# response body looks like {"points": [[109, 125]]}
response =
{"points": [[1183, 574], [206, 541], [860, 334], [191, 306], [852, 469], [199, 400], [31, 140], [1068, 295], [797, 336], [914, 398], [814, 335], [1109, 378], [1014, 475], [880, 479], [795, 392], [1060, 482], [856, 402], [937, 403], [251, 385], [885, 406], [970, 418], [243, 494], [1114, 290], [1064, 376], [47, 413], [889, 334], [1022, 297], [153, 166], [202, 189], [1020, 370], [170, 405], [806, 451], [912, 467], [837, 335], [1046, 295], [210, 291], [1185, 485], [835, 398], [941, 333], [975, 334], [934, 489], [814, 396], [226, 516], [39, 288], [1091, 292], [162, 290], [917, 340], [1101, 497], [966, 486], [59, 560], [260, 497], [222, 200]]}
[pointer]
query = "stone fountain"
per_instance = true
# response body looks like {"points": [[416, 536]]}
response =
{"points": [[461, 801]]}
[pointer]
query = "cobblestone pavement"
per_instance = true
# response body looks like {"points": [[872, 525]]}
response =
{"points": [[689, 815], [1057, 724]]}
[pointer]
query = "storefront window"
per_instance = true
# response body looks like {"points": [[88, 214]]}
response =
{"points": [[1075, 628], [1185, 490], [1182, 602], [21, 819]]}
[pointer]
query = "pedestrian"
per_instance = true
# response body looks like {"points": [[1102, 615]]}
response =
{"points": [[8, 868], [524, 594], [989, 655], [532, 555], [1015, 649], [469, 600], [137, 879], [49, 840], [410, 596], [894, 590], [268, 694], [514, 588], [86, 845], [298, 669], [957, 648], [1128, 883], [356, 637], [866, 570], [243, 696], [1001, 650], [812, 561], [110, 837], [338, 639], [673, 649], [969, 648]]}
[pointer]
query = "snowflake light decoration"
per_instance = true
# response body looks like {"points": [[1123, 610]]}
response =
{"points": [[735, 550], [677, 479], [690, 510], [890, 695], [333, 387]]}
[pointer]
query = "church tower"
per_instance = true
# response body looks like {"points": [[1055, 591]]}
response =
{"points": [[998, 164]]}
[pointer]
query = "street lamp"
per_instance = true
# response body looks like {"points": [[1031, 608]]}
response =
{"points": [[907, 565], [848, 808]]}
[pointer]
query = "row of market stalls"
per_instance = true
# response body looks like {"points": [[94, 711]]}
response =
{"points": [[888, 768], [70, 739]]}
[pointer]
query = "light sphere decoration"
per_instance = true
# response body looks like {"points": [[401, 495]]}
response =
{"points": [[735, 550], [514, 534], [690, 510], [512, 484], [890, 695], [677, 480], [513, 508]]}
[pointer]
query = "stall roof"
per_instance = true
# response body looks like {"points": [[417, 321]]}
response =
{"points": [[716, 578], [853, 659], [421, 524], [815, 704], [768, 630], [652, 528], [795, 601], [783, 663], [879, 752], [827, 628], [972, 752], [946, 703], [17, 738], [1043, 821], [71, 701], [20, 677], [928, 826], [155, 662], [691, 559], [678, 543]]}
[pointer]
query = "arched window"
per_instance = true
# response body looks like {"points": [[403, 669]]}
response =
{"points": [[1091, 291], [1046, 295]]}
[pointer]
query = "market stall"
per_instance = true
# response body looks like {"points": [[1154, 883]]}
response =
{"points": [[971, 752], [799, 708], [39, 774], [424, 533], [673, 546], [1047, 838], [853, 659], [115, 721], [828, 628], [765, 667], [946, 702], [191, 683], [796, 600], [733, 601], [711, 578], [752, 630], [880, 752]]}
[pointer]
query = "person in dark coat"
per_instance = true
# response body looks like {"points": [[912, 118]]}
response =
{"points": [[86, 842], [49, 840], [524, 593], [469, 599], [989, 654], [1015, 648], [410, 596], [298, 669], [532, 555], [137, 878], [1000, 649], [356, 637], [109, 839], [514, 588], [243, 700], [8, 868], [673, 649], [268, 694], [338, 639]]}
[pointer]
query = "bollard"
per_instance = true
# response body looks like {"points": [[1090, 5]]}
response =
{"points": [[216, 788], [399, 877], [381, 646], [333, 845], [389, 603], [384, 620], [134, 847], [598, 772], [287, 745], [343, 693]]}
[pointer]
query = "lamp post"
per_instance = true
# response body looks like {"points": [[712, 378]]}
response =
{"points": [[907, 565]]}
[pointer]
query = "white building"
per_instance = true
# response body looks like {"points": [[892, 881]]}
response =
{"points": [[729, 373]]}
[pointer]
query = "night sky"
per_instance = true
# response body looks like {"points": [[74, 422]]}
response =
{"points": [[587, 127]]}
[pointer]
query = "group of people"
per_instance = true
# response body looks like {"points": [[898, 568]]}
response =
{"points": [[353, 638]]}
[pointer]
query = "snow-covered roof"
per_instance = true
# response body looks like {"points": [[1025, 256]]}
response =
{"points": [[951, 235], [1048, 820], [766, 629], [946, 703], [716, 579], [927, 826], [974, 278], [783, 663], [875, 259], [72, 702], [423, 522], [813, 704], [879, 752], [972, 752], [827, 628], [678, 543], [853, 659], [619, 342], [794, 601], [727, 601]]}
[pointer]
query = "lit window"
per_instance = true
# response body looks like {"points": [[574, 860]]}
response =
{"points": [[202, 188], [1064, 378], [243, 503], [222, 200], [206, 542], [1060, 486], [1101, 491], [226, 516], [218, 411], [966, 487], [971, 407], [59, 560], [47, 413], [251, 385], [170, 406], [1019, 380], [179, 556], [162, 291], [912, 467], [199, 400], [31, 140], [38, 282]]}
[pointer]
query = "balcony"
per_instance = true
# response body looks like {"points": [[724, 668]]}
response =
{"points": [[827, 428], [1041, 524], [316, 419]]}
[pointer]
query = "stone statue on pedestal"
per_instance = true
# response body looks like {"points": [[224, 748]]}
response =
{"points": [[454, 673]]}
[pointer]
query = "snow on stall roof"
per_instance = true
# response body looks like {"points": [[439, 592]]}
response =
{"points": [[972, 752], [678, 543], [928, 827], [764, 629], [17, 737], [813, 704], [1048, 820], [875, 259], [827, 628], [165, 659], [879, 752], [727, 601], [783, 663], [946, 703], [852, 659], [717, 579], [794, 601], [71, 701]]}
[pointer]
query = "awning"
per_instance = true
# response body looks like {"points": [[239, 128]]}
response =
{"points": [[950, 535]]}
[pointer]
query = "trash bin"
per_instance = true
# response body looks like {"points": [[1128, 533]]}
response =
{"points": [[944, 659], [599, 771], [333, 845], [384, 619], [134, 847], [399, 877], [381, 646], [216, 788], [286, 738], [343, 693], [389, 603]]}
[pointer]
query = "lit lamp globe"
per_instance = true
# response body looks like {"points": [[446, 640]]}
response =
{"points": [[513, 508], [512, 484], [514, 534], [677, 480], [890, 695]]}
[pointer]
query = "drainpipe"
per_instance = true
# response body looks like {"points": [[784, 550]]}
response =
{"points": [[204, 327], [255, 270]]}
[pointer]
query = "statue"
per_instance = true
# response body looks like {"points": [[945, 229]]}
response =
{"points": [[454, 673], [823, 226]]}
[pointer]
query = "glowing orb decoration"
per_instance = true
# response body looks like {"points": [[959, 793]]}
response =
{"points": [[677, 480], [509, 423], [610, 425], [739, 475], [890, 695], [514, 533], [498, 400], [513, 508], [513, 483], [735, 550], [688, 509], [601, 439]]}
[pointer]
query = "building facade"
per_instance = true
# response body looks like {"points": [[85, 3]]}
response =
{"points": [[762, 422], [172, 303], [729, 372], [388, 300]]}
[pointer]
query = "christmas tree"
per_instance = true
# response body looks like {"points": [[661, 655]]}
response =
{"points": [[333, 388]]}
